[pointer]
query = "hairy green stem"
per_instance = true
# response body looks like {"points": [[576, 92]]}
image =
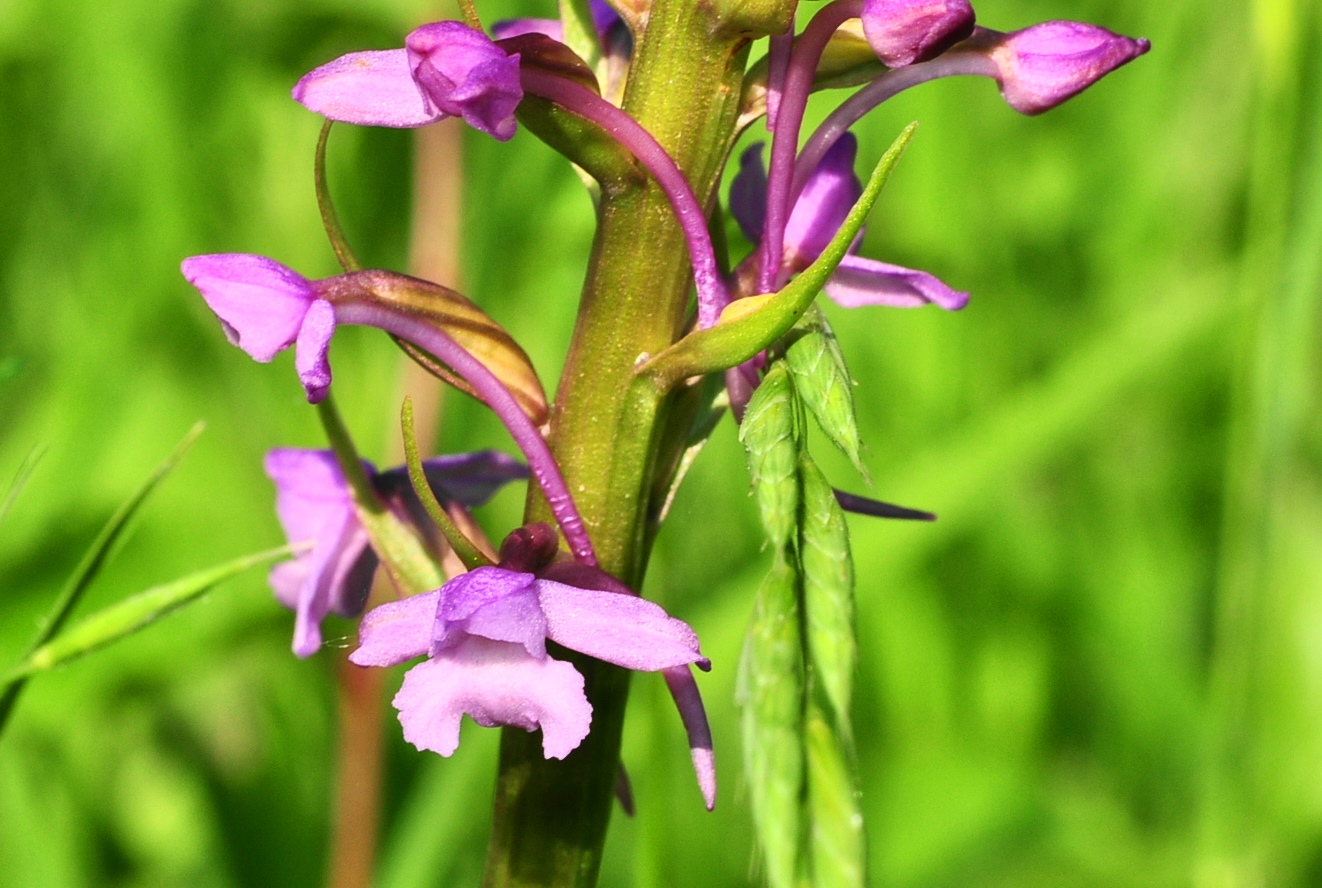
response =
{"points": [[551, 816]]}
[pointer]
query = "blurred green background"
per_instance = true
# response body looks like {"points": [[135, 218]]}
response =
{"points": [[1101, 667]]}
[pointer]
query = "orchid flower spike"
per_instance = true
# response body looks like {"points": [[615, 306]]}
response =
{"points": [[484, 634], [902, 32], [446, 69], [315, 505], [820, 210]]}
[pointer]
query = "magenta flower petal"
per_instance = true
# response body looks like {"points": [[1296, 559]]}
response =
{"points": [[1042, 66], [367, 88], [496, 683], [493, 603], [260, 302], [902, 32], [471, 478], [462, 72], [335, 574], [858, 282], [621, 629], [396, 631], [552, 28], [313, 345], [684, 690], [748, 193], [826, 199]]}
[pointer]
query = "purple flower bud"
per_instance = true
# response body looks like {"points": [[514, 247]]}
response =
{"points": [[265, 307], [1042, 66], [463, 73], [445, 69], [902, 32]]}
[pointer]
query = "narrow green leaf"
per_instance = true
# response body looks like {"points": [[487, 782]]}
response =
{"points": [[823, 381], [410, 565], [770, 434], [770, 690], [93, 560], [462, 546], [750, 325], [20, 480], [836, 834], [828, 593], [137, 612]]}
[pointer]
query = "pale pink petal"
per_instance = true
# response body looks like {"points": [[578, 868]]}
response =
{"points": [[621, 629], [260, 302], [494, 603], [367, 88], [495, 683], [310, 355], [396, 631]]}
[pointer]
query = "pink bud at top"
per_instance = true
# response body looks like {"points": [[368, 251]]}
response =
{"points": [[445, 69], [1042, 66], [902, 32], [462, 72]]}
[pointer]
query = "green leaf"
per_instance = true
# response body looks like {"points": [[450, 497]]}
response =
{"points": [[20, 480], [836, 833], [770, 690], [93, 560], [828, 593], [137, 612], [823, 381], [770, 433], [747, 326]]}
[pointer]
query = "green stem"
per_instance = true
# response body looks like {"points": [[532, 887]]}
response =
{"points": [[551, 816]]}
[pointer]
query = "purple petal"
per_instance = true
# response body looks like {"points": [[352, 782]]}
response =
{"points": [[396, 631], [1044, 65], [494, 603], [518, 27], [748, 193], [472, 478], [902, 32], [858, 282], [827, 197], [367, 88], [621, 629], [684, 690], [309, 486], [310, 355], [604, 15], [462, 72], [339, 544], [260, 302], [496, 684]]}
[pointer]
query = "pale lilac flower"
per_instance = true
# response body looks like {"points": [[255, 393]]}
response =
{"points": [[827, 196], [265, 307], [484, 634], [902, 32], [1040, 67], [315, 506], [446, 69]]}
